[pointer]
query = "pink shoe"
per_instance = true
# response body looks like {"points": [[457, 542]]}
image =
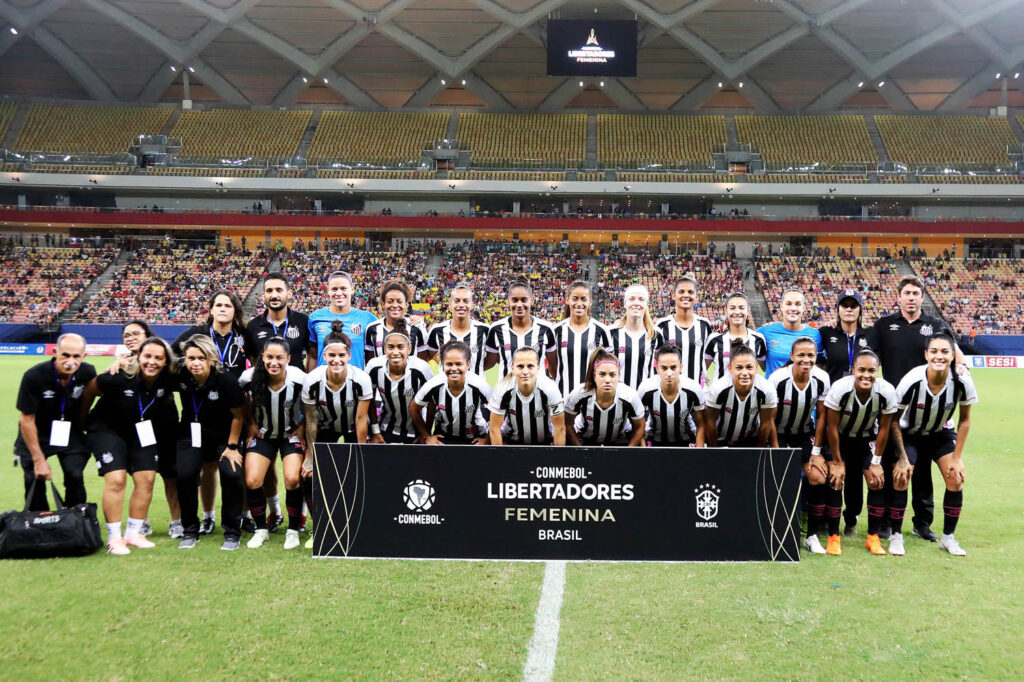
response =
{"points": [[118, 547], [139, 540]]}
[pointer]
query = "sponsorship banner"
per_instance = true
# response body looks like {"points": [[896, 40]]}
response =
{"points": [[23, 348], [93, 349], [537, 503], [995, 361]]}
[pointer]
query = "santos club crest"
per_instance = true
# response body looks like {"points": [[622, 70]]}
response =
{"points": [[707, 496]]}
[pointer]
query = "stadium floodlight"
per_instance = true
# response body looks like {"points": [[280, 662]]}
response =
{"points": [[463, 81], [860, 85], [601, 84], [881, 83], [581, 84], [191, 69], [325, 81], [1016, 75], [174, 68], [719, 83], [305, 80], [999, 74], [13, 31], [444, 82], [741, 84]]}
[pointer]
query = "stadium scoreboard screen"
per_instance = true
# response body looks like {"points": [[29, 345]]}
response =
{"points": [[592, 48]]}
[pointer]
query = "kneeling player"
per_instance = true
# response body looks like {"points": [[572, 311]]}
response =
{"points": [[741, 405], [397, 376], [454, 400], [674, 403], [604, 411], [526, 406], [927, 396]]}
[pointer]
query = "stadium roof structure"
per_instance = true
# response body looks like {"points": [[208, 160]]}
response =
{"points": [[766, 56]]}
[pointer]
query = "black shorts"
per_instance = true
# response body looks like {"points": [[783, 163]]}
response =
{"points": [[801, 443], [76, 446], [167, 464], [936, 445], [401, 439], [114, 453], [860, 450], [676, 444], [269, 447], [750, 442]]}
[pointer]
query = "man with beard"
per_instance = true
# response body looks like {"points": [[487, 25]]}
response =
{"points": [[279, 320]]}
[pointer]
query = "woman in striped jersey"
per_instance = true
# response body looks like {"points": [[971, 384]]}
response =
{"points": [[927, 397], [461, 327], [519, 329], [799, 423], [394, 300], [674, 403], [634, 338], [741, 406], [527, 409], [604, 411], [454, 400], [688, 331], [577, 336], [396, 377], [859, 413], [716, 352], [274, 389]]}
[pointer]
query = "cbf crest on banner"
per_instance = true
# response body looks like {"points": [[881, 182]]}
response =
{"points": [[537, 503]]}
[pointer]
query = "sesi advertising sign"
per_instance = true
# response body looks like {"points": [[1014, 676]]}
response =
{"points": [[996, 361]]}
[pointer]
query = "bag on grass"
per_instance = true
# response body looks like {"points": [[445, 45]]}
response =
{"points": [[69, 531]]}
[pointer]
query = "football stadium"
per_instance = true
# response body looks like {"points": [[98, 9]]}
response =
{"points": [[498, 339]]}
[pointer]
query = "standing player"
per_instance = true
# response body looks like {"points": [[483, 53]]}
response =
{"points": [[688, 331], [461, 327], [674, 403], [397, 377], [50, 422], [741, 406], [527, 409], [394, 301], [848, 336], [860, 410], [454, 400], [737, 311], [800, 389], [279, 320], [604, 411], [577, 336], [780, 335], [927, 397], [519, 329], [340, 288], [634, 338]]}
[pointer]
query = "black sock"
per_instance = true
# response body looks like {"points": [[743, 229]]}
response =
{"points": [[307, 492], [257, 501], [952, 503], [293, 503], [833, 508], [815, 508], [876, 510], [897, 507]]}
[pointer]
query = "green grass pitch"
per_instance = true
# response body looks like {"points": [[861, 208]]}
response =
{"points": [[164, 614]]}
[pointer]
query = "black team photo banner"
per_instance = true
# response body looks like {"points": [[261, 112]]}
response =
{"points": [[573, 503]]}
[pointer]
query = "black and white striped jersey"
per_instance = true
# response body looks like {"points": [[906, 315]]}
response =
{"points": [[738, 419], [396, 396], [336, 410], [476, 338], [527, 420], [504, 341], [860, 419], [635, 354], [671, 422], [574, 349], [596, 425], [284, 412], [718, 345], [925, 413], [376, 331], [796, 412], [690, 339], [460, 416]]}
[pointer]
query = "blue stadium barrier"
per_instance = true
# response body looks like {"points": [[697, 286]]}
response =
{"points": [[993, 344], [111, 333], [10, 333]]}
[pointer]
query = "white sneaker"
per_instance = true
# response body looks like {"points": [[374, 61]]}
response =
{"points": [[258, 538], [949, 543], [896, 544], [291, 539], [813, 544]]}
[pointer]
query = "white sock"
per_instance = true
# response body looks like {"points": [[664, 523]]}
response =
{"points": [[275, 504], [132, 527], [113, 532], [248, 514], [175, 520], [947, 536], [212, 515]]}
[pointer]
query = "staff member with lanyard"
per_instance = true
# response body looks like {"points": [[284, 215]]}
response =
{"points": [[50, 422], [842, 341], [279, 320], [902, 341]]}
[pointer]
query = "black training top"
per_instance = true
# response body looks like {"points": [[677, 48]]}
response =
{"points": [[210, 405], [901, 344], [231, 347], [40, 394], [125, 402], [294, 330], [840, 347]]}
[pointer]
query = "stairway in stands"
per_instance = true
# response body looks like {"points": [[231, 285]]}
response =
{"points": [[591, 141], [903, 267], [307, 137], [759, 308], [876, 139], [256, 295], [16, 123], [433, 265], [94, 288]]}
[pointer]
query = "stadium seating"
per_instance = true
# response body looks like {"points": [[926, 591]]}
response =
{"points": [[375, 174], [37, 284], [291, 172], [829, 178], [946, 140], [805, 140], [84, 169], [205, 171], [506, 140], [674, 177], [7, 109], [172, 285], [590, 176], [976, 294], [508, 176], [240, 133], [957, 179], [375, 138], [641, 140], [79, 129]]}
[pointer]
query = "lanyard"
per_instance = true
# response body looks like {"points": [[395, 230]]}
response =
{"points": [[283, 334], [222, 353], [63, 390], [197, 406], [851, 348], [142, 410]]}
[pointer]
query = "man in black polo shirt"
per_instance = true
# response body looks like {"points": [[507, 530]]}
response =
{"points": [[49, 402], [842, 341], [278, 320], [902, 340]]}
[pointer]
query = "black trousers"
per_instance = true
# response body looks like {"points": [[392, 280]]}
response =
{"points": [[232, 479], [72, 463], [856, 454], [921, 491]]}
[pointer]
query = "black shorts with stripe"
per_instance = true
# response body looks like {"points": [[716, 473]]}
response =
{"points": [[936, 445], [270, 447], [801, 443]]}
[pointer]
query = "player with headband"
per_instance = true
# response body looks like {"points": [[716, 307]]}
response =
{"points": [[634, 338], [396, 377], [604, 411], [340, 290]]}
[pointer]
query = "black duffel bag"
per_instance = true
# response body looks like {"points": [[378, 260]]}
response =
{"points": [[69, 531]]}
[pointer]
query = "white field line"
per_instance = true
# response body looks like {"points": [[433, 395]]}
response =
{"points": [[540, 659]]}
